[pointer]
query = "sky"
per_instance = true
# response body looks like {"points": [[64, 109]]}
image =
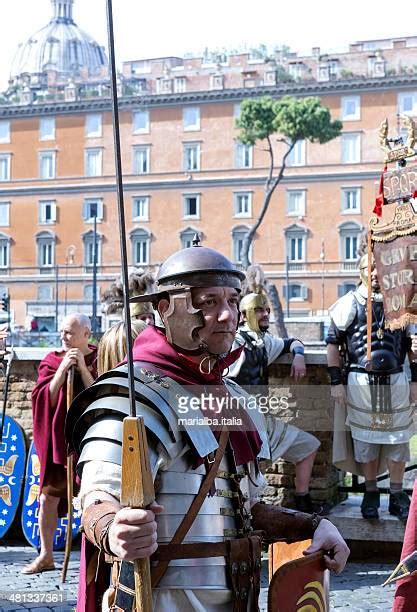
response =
{"points": [[145, 29]]}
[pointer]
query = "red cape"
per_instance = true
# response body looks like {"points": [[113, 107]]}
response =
{"points": [[406, 593], [48, 420]]}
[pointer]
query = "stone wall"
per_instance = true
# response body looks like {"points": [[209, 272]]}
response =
{"points": [[309, 409]]}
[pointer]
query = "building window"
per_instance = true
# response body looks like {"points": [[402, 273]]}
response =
{"points": [[350, 234], [88, 292], [4, 251], [88, 240], [47, 164], [44, 293], [243, 204], [180, 85], [47, 211], [351, 108], [5, 167], [243, 155], [351, 200], [93, 125], [296, 292], [93, 162], [140, 239], [345, 288], [46, 250], [296, 239], [4, 131], [191, 118], [47, 128], [296, 203], [93, 208], [296, 248], [407, 102], [140, 208], [350, 247], [297, 157], [141, 159], [191, 154], [351, 148], [186, 237], [4, 214], [238, 236], [191, 206], [141, 122]]}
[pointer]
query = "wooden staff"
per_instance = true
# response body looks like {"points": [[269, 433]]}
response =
{"points": [[138, 492], [68, 536]]}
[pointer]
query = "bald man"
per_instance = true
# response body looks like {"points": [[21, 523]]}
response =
{"points": [[49, 409]]}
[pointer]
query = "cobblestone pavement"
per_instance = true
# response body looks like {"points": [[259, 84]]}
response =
{"points": [[358, 589]]}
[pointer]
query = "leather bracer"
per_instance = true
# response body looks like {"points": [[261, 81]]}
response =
{"points": [[283, 524], [96, 521]]}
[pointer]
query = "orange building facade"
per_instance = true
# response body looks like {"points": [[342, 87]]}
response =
{"points": [[185, 171]]}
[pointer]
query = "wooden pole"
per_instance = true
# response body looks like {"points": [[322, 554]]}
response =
{"points": [[70, 492], [369, 304]]}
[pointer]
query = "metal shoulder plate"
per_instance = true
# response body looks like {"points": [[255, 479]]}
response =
{"points": [[96, 415]]}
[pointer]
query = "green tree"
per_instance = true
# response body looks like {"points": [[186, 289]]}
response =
{"points": [[286, 120]]}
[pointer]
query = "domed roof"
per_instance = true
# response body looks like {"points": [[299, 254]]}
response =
{"points": [[62, 47]]}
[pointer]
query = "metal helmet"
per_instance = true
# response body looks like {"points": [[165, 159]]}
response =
{"points": [[192, 267], [363, 268], [248, 304]]}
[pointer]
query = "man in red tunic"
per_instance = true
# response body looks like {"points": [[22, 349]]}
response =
{"points": [[49, 409]]}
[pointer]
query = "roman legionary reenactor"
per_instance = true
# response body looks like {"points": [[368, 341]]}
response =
{"points": [[377, 395], [215, 564]]}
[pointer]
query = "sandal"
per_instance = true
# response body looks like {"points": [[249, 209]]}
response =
{"points": [[37, 566]]}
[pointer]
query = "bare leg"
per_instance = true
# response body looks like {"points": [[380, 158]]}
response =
{"points": [[303, 470], [370, 469], [396, 470], [48, 519]]}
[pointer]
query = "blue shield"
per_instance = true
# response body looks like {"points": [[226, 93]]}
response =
{"points": [[12, 469], [30, 507]]}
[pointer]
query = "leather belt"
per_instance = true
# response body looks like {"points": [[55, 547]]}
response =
{"points": [[358, 368]]}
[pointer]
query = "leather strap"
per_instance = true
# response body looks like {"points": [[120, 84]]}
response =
{"points": [[255, 545], [240, 573], [184, 527]]}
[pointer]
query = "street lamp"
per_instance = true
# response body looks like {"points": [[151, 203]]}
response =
{"points": [[69, 260], [322, 259], [94, 313]]}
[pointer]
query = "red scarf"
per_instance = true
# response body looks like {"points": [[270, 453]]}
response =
{"points": [[151, 346]]}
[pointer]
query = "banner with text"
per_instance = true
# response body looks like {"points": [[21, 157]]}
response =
{"points": [[396, 264]]}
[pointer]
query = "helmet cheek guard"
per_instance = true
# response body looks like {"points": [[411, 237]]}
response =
{"points": [[182, 322]]}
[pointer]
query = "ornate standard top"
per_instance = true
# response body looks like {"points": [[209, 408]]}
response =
{"points": [[61, 49]]}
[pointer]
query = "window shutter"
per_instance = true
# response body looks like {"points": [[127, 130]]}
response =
{"points": [[284, 291], [53, 211], [304, 292], [85, 211], [99, 210]]}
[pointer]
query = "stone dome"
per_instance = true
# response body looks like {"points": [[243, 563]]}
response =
{"points": [[60, 47]]}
